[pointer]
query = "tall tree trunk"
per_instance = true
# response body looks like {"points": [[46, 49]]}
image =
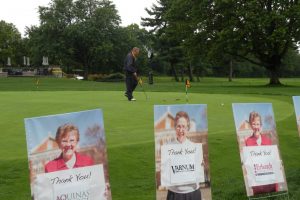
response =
{"points": [[274, 69], [174, 71], [230, 71], [190, 72], [274, 77]]}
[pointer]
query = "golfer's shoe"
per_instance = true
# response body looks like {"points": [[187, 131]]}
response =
{"points": [[133, 99]]}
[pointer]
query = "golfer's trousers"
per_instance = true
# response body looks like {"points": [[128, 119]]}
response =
{"points": [[131, 84]]}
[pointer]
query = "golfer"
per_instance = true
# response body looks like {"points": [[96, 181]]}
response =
{"points": [[131, 73]]}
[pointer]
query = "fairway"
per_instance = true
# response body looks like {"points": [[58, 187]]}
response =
{"points": [[129, 129]]}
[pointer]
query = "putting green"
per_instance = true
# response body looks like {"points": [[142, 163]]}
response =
{"points": [[130, 137]]}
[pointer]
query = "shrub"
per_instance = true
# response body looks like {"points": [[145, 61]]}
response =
{"points": [[69, 75], [96, 77], [115, 77]]}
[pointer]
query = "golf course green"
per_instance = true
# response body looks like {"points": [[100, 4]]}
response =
{"points": [[129, 129]]}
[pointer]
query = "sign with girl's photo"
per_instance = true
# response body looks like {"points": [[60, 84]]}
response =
{"points": [[296, 100], [181, 152], [67, 156], [258, 143]]}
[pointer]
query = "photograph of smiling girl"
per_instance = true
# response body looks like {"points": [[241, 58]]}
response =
{"points": [[181, 152], [63, 146]]}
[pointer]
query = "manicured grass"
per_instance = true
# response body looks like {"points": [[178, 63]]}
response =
{"points": [[161, 84], [129, 129]]}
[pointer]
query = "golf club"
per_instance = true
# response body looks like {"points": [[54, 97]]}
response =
{"points": [[140, 81]]}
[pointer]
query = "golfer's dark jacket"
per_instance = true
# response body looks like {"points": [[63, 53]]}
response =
{"points": [[129, 64]]}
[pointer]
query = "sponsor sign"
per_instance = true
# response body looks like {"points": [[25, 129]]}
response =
{"points": [[181, 164], [258, 144], [86, 183], [67, 156], [263, 165], [181, 150]]}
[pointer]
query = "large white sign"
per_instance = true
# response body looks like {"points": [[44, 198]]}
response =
{"points": [[181, 164], [85, 183], [263, 165]]}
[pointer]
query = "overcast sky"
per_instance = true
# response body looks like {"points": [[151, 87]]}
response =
{"points": [[23, 13]]}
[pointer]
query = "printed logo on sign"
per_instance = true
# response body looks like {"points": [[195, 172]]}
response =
{"points": [[262, 165], [181, 164], [83, 195], [183, 168], [261, 169]]}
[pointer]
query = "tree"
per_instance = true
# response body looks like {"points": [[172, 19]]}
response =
{"points": [[85, 34], [291, 63], [168, 44], [50, 38], [78, 33], [98, 21], [10, 40], [260, 32]]}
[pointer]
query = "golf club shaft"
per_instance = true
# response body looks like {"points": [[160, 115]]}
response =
{"points": [[143, 90]]}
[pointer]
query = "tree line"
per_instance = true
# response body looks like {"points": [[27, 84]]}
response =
{"points": [[238, 38]]}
